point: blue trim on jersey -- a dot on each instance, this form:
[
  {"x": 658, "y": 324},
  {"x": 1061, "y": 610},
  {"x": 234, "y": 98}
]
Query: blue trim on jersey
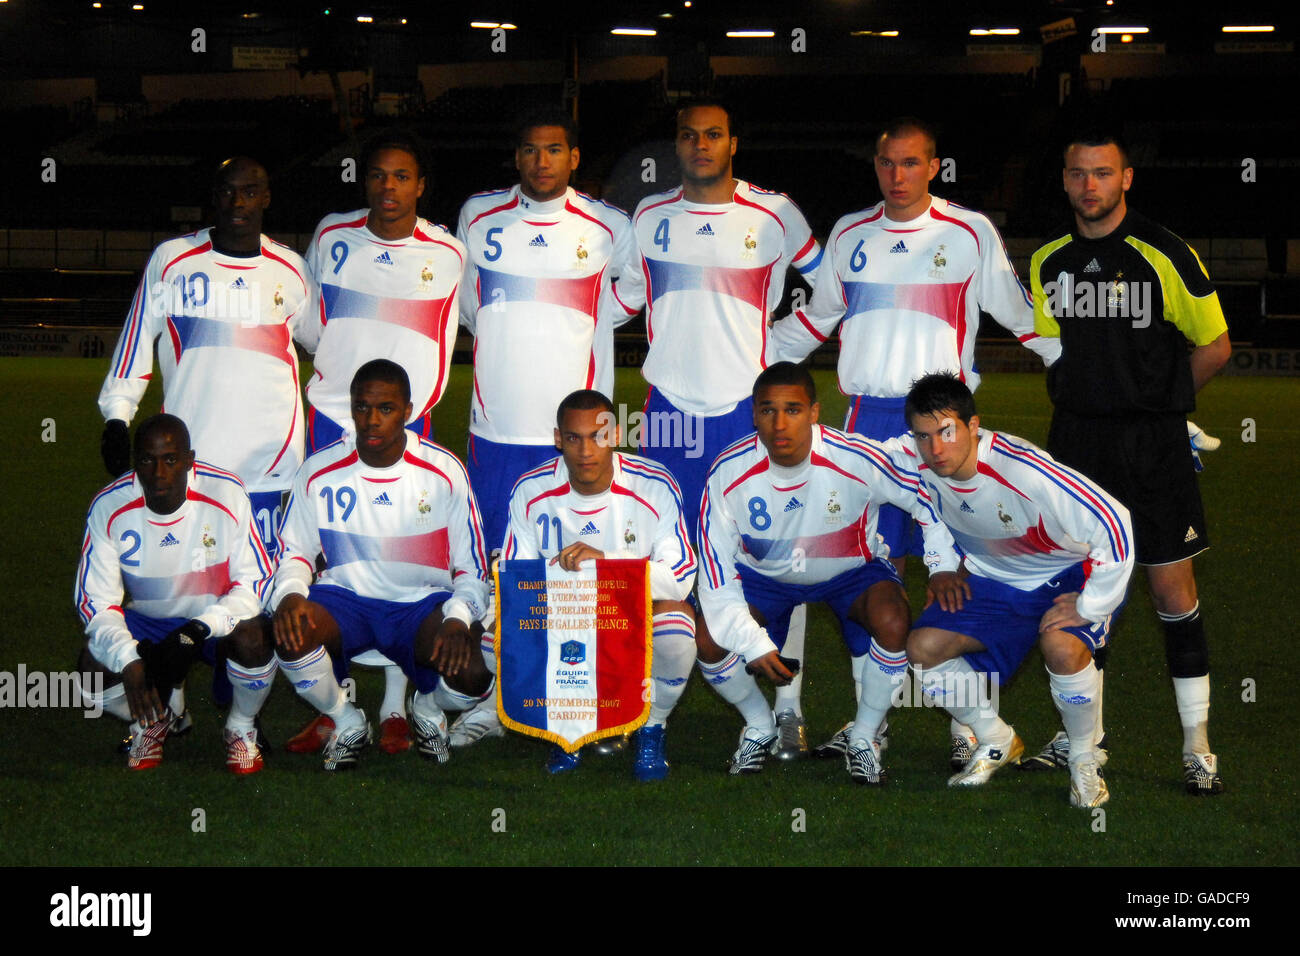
[
  {"x": 601, "y": 202},
  {"x": 821, "y": 251},
  {"x": 211, "y": 471},
  {"x": 886, "y": 467},
  {"x": 117, "y": 484},
  {"x": 1038, "y": 464}
]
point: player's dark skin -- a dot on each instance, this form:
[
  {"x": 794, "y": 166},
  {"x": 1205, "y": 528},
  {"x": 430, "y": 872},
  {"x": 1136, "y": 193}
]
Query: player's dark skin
[
  {"x": 394, "y": 185},
  {"x": 240, "y": 196},
  {"x": 784, "y": 416},
  {"x": 163, "y": 460},
  {"x": 380, "y": 410}
]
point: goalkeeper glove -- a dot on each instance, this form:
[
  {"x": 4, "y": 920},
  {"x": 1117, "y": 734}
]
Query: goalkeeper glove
[
  {"x": 1201, "y": 441},
  {"x": 168, "y": 661},
  {"x": 115, "y": 447}
]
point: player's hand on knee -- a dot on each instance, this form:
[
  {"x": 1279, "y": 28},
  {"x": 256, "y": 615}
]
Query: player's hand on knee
[
  {"x": 575, "y": 554},
  {"x": 452, "y": 647},
  {"x": 293, "y": 620},
  {"x": 141, "y": 697},
  {"x": 772, "y": 667},
  {"x": 115, "y": 447},
  {"x": 948, "y": 588},
  {"x": 1062, "y": 614}
]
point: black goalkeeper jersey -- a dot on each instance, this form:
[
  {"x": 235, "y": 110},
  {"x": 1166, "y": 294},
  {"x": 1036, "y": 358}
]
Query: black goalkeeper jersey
[{"x": 1125, "y": 308}]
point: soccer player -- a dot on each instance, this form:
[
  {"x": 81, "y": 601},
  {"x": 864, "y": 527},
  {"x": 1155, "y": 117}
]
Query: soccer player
[
  {"x": 709, "y": 267},
  {"x": 1141, "y": 332},
  {"x": 539, "y": 257},
  {"x": 594, "y": 502},
  {"x": 225, "y": 304},
  {"x": 178, "y": 536},
  {"x": 789, "y": 516},
  {"x": 396, "y": 523},
  {"x": 905, "y": 281},
  {"x": 389, "y": 282},
  {"x": 1048, "y": 557}
]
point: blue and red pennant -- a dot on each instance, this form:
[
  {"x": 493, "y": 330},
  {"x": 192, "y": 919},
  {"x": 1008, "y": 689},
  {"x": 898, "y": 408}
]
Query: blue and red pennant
[{"x": 573, "y": 649}]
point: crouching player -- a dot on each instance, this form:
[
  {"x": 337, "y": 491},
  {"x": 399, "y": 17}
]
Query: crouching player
[
  {"x": 178, "y": 536},
  {"x": 395, "y": 520},
  {"x": 1048, "y": 557},
  {"x": 789, "y": 516},
  {"x": 594, "y": 502}
]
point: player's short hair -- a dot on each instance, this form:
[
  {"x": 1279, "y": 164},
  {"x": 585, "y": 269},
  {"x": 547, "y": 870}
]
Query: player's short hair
[
  {"x": 219, "y": 174},
  {"x": 547, "y": 116},
  {"x": 902, "y": 125},
  {"x": 786, "y": 373},
  {"x": 382, "y": 370},
  {"x": 395, "y": 137},
  {"x": 939, "y": 392},
  {"x": 583, "y": 400},
  {"x": 733, "y": 125},
  {"x": 1098, "y": 136},
  {"x": 161, "y": 422}
]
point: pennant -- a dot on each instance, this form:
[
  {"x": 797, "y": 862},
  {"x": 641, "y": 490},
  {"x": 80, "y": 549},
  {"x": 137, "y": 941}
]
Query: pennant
[{"x": 573, "y": 649}]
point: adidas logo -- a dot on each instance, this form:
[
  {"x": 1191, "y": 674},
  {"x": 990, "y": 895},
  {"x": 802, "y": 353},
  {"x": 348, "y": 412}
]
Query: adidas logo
[
  {"x": 1076, "y": 699},
  {"x": 967, "y": 508},
  {"x": 168, "y": 541},
  {"x": 1093, "y": 266},
  {"x": 239, "y": 283},
  {"x": 671, "y": 681},
  {"x": 792, "y": 504},
  {"x": 383, "y": 499},
  {"x": 384, "y": 259},
  {"x": 705, "y": 230},
  {"x": 899, "y": 247},
  {"x": 538, "y": 243},
  {"x": 1191, "y": 535},
  {"x": 589, "y": 528}
]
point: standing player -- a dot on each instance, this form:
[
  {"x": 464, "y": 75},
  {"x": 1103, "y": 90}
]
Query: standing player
[
  {"x": 389, "y": 282},
  {"x": 592, "y": 502},
  {"x": 395, "y": 520},
  {"x": 228, "y": 303},
  {"x": 789, "y": 516},
  {"x": 905, "y": 282},
  {"x": 178, "y": 536},
  {"x": 539, "y": 257},
  {"x": 1048, "y": 557},
  {"x": 709, "y": 268},
  {"x": 1131, "y": 365}
]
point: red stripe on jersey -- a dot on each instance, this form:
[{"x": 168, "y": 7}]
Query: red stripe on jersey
[
  {"x": 354, "y": 224},
  {"x": 196, "y": 251},
  {"x": 496, "y": 209},
  {"x": 617, "y": 489},
  {"x": 131, "y": 506},
  {"x": 421, "y": 463},
  {"x": 935, "y": 214},
  {"x": 827, "y": 463},
  {"x": 806, "y": 246},
  {"x": 285, "y": 262},
  {"x": 986, "y": 469},
  {"x": 568, "y": 205},
  {"x": 351, "y": 458},
  {"x": 861, "y": 222},
  {"x": 561, "y": 490},
  {"x": 758, "y": 469},
  {"x": 663, "y": 202},
  {"x": 745, "y": 202},
  {"x": 193, "y": 495}
]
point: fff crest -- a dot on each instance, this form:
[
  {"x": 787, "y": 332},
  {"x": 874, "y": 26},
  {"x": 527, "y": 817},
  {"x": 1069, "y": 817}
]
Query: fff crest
[{"x": 573, "y": 652}]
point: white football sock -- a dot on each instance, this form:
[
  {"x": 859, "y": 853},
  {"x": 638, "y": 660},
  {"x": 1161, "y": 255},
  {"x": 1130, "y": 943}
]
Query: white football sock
[
  {"x": 1101, "y": 683},
  {"x": 251, "y": 686},
  {"x": 313, "y": 678},
  {"x": 394, "y": 692},
  {"x": 1193, "y": 697},
  {"x": 488, "y": 643},
  {"x": 958, "y": 688},
  {"x": 958, "y": 729},
  {"x": 674, "y": 635},
  {"x": 883, "y": 672},
  {"x": 426, "y": 707},
  {"x": 855, "y": 665},
  {"x": 447, "y": 699},
  {"x": 788, "y": 697},
  {"x": 1077, "y": 698},
  {"x": 111, "y": 701},
  {"x": 177, "y": 700},
  {"x": 738, "y": 687}
]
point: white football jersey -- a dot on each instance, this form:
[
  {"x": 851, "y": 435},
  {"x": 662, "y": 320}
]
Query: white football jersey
[
  {"x": 203, "y": 561},
  {"x": 1024, "y": 518},
  {"x": 383, "y": 299},
  {"x": 394, "y": 534},
  {"x": 225, "y": 327},
  {"x": 800, "y": 526},
  {"x": 910, "y": 295},
  {"x": 709, "y": 276},
  {"x": 533, "y": 282},
  {"x": 639, "y": 516}
]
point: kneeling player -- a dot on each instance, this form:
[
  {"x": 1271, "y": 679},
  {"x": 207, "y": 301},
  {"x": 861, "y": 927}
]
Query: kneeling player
[
  {"x": 593, "y": 502},
  {"x": 1049, "y": 555},
  {"x": 396, "y": 522},
  {"x": 178, "y": 536},
  {"x": 789, "y": 516}
]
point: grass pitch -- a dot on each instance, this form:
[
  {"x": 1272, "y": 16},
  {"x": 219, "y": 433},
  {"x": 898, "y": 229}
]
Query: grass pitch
[{"x": 66, "y": 798}]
